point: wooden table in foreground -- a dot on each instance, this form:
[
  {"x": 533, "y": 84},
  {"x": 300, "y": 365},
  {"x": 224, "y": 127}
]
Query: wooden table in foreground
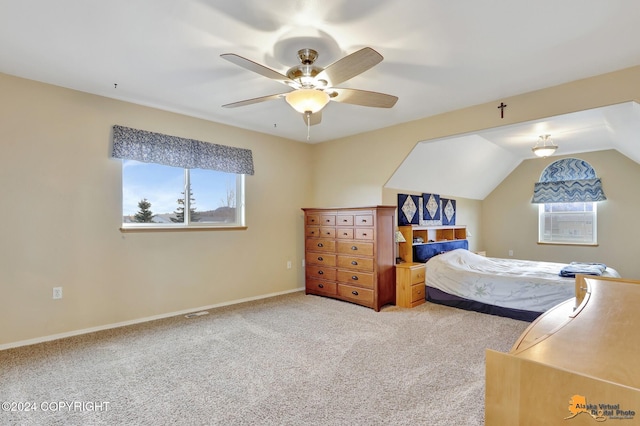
[{"x": 572, "y": 366}]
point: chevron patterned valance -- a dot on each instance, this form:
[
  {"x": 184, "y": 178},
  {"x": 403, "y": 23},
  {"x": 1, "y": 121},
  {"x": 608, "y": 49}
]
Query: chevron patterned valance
[{"x": 569, "y": 180}]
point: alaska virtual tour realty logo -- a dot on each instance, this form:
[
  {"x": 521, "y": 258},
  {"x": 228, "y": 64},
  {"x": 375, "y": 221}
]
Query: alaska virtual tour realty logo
[{"x": 600, "y": 412}]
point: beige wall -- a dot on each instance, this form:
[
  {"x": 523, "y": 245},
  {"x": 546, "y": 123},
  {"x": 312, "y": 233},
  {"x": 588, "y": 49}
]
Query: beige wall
[
  {"x": 510, "y": 221},
  {"x": 61, "y": 197},
  {"x": 61, "y": 212}
]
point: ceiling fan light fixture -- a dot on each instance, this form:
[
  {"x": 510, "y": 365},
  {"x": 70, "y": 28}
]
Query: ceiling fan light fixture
[
  {"x": 545, "y": 149},
  {"x": 307, "y": 100}
]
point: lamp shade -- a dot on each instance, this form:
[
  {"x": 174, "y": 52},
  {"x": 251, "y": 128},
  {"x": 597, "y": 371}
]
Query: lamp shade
[
  {"x": 546, "y": 149},
  {"x": 399, "y": 237},
  {"x": 307, "y": 100}
]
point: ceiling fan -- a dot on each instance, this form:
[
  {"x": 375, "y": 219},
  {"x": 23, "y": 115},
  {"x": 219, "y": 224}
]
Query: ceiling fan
[{"x": 313, "y": 86}]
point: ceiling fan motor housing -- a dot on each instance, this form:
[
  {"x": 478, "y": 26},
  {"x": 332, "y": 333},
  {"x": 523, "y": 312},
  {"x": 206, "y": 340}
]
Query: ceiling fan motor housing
[{"x": 306, "y": 72}]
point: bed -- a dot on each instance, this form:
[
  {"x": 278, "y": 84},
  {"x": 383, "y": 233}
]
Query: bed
[{"x": 520, "y": 289}]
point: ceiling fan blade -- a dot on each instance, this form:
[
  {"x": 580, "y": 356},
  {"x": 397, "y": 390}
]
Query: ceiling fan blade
[
  {"x": 350, "y": 66},
  {"x": 363, "y": 98},
  {"x": 315, "y": 118},
  {"x": 254, "y": 100},
  {"x": 257, "y": 68}
]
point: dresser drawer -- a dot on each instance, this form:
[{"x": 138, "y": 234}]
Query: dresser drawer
[
  {"x": 312, "y": 231},
  {"x": 327, "y": 220},
  {"x": 417, "y": 292},
  {"x": 327, "y": 232},
  {"x": 345, "y": 233},
  {"x": 355, "y": 248},
  {"x": 364, "y": 220},
  {"x": 313, "y": 219},
  {"x": 417, "y": 275},
  {"x": 356, "y": 294},
  {"x": 364, "y": 234},
  {"x": 359, "y": 263},
  {"x": 323, "y": 259},
  {"x": 320, "y": 244},
  {"x": 321, "y": 287},
  {"x": 320, "y": 272},
  {"x": 361, "y": 279},
  {"x": 344, "y": 220}
]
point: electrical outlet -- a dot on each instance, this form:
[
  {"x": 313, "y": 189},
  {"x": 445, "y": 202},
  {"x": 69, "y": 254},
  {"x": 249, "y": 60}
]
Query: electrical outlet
[
  {"x": 57, "y": 292},
  {"x": 288, "y": 264},
  {"x": 510, "y": 252}
]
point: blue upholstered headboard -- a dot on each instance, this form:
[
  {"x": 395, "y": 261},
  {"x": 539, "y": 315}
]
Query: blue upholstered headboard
[{"x": 424, "y": 252}]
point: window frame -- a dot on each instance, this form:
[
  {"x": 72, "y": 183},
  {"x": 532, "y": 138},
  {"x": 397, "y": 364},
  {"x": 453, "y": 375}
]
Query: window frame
[
  {"x": 188, "y": 225},
  {"x": 541, "y": 225}
]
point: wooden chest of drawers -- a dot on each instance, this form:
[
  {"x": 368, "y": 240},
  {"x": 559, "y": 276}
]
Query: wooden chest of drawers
[
  {"x": 410, "y": 286},
  {"x": 349, "y": 254}
]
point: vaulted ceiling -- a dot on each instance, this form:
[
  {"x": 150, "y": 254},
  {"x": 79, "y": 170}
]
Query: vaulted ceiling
[
  {"x": 438, "y": 56},
  {"x": 483, "y": 159}
]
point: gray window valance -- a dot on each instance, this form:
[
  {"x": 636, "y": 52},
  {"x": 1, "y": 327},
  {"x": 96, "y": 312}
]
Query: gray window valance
[
  {"x": 149, "y": 147},
  {"x": 569, "y": 180}
]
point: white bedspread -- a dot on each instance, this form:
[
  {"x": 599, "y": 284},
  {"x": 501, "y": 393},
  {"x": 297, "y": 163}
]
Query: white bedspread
[{"x": 510, "y": 283}]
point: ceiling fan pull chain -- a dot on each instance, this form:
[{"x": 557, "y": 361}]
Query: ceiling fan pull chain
[{"x": 308, "y": 125}]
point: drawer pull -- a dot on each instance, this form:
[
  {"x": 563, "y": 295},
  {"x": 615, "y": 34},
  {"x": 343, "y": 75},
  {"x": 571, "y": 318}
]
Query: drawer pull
[
  {"x": 320, "y": 245},
  {"x": 364, "y": 220},
  {"x": 320, "y": 258},
  {"x": 328, "y": 233},
  {"x": 313, "y": 232},
  {"x": 345, "y": 220},
  {"x": 354, "y": 247},
  {"x": 355, "y": 293},
  {"x": 345, "y": 234},
  {"x": 355, "y": 278},
  {"x": 320, "y": 272},
  {"x": 364, "y": 234},
  {"x": 353, "y": 262},
  {"x": 328, "y": 220},
  {"x": 321, "y": 285}
]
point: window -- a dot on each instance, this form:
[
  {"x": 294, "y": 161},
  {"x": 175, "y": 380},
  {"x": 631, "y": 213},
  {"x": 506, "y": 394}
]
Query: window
[
  {"x": 567, "y": 195},
  {"x": 173, "y": 182},
  {"x": 153, "y": 196},
  {"x": 567, "y": 223}
]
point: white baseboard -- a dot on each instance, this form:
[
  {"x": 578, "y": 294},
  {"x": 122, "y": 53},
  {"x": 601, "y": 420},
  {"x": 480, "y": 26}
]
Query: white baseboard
[{"x": 138, "y": 321}]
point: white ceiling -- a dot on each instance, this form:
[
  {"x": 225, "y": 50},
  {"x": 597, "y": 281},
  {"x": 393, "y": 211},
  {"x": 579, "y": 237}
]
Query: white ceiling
[{"x": 439, "y": 55}]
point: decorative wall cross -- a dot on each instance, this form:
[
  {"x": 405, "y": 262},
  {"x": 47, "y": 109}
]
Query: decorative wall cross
[{"x": 502, "y": 106}]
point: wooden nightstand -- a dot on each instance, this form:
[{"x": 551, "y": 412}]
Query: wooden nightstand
[{"x": 410, "y": 287}]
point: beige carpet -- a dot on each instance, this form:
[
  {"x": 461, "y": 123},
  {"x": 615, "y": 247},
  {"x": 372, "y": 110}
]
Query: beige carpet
[{"x": 288, "y": 360}]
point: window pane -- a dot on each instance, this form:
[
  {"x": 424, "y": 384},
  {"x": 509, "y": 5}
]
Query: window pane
[
  {"x": 213, "y": 196},
  {"x": 154, "y": 195},
  {"x": 568, "y": 223},
  {"x": 160, "y": 186}
]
